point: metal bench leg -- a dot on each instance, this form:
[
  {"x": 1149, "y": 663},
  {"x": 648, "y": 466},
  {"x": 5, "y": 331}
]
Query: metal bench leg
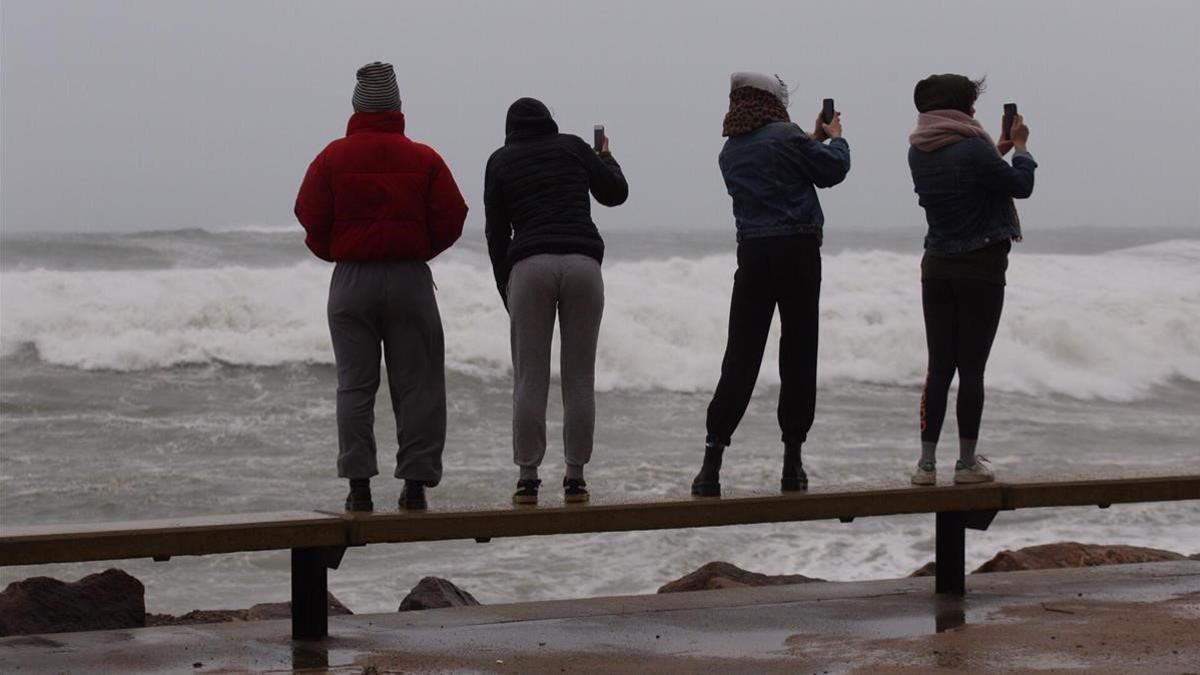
[
  {"x": 951, "y": 553},
  {"x": 310, "y": 586},
  {"x": 950, "y": 573}
]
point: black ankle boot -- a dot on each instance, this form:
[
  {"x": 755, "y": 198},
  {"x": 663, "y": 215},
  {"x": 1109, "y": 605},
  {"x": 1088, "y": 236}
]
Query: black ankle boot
[
  {"x": 708, "y": 482},
  {"x": 359, "y": 498},
  {"x": 794, "y": 479},
  {"x": 412, "y": 496}
]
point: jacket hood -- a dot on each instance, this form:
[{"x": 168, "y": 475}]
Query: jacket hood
[{"x": 528, "y": 117}]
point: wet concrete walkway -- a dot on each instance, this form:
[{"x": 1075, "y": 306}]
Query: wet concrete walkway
[{"x": 1118, "y": 619}]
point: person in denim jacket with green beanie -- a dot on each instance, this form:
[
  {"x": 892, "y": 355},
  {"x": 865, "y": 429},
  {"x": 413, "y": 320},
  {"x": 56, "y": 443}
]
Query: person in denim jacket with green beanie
[{"x": 967, "y": 191}]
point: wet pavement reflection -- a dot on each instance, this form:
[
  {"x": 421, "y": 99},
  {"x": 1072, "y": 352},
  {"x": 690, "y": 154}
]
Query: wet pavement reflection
[
  {"x": 309, "y": 655},
  {"x": 949, "y": 613}
]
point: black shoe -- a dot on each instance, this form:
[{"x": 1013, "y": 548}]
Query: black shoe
[
  {"x": 527, "y": 491},
  {"x": 574, "y": 490},
  {"x": 412, "y": 496},
  {"x": 359, "y": 498},
  {"x": 794, "y": 479},
  {"x": 708, "y": 482}
]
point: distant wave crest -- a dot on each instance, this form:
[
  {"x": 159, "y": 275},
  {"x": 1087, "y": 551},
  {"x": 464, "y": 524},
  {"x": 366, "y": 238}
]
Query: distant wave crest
[{"x": 1102, "y": 326}]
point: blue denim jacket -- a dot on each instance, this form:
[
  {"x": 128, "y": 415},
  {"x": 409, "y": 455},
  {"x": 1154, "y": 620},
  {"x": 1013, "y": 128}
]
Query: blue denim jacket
[
  {"x": 772, "y": 174},
  {"x": 967, "y": 190}
]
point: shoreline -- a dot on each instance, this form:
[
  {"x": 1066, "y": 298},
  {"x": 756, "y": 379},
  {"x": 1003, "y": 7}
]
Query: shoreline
[
  {"x": 113, "y": 599},
  {"x": 1116, "y": 619}
]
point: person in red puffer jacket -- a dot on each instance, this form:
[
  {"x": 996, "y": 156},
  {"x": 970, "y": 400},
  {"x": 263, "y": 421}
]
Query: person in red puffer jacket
[{"x": 380, "y": 206}]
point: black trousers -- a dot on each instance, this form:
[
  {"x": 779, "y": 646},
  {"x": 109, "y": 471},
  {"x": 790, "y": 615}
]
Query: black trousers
[
  {"x": 961, "y": 317},
  {"x": 783, "y": 271}
]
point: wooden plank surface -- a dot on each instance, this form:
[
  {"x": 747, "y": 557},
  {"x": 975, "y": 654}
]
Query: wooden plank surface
[
  {"x": 518, "y": 521},
  {"x": 27, "y": 545},
  {"x": 1104, "y": 491},
  {"x": 38, "y": 544}
]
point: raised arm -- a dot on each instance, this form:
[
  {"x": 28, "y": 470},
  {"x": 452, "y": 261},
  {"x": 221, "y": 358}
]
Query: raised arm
[
  {"x": 605, "y": 179},
  {"x": 825, "y": 165},
  {"x": 1015, "y": 180}
]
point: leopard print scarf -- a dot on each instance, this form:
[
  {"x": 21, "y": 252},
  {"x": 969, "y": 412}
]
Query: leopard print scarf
[{"x": 750, "y": 109}]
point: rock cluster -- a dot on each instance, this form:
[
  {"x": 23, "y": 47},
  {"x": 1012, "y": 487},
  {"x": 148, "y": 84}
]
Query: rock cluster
[
  {"x": 1065, "y": 554},
  {"x": 109, "y": 600},
  {"x": 260, "y": 612},
  {"x": 114, "y": 600},
  {"x": 435, "y": 593},
  {"x": 719, "y": 574}
]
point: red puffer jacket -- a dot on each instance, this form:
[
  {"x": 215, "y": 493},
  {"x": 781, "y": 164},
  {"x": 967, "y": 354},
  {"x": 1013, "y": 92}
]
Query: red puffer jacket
[{"x": 376, "y": 195}]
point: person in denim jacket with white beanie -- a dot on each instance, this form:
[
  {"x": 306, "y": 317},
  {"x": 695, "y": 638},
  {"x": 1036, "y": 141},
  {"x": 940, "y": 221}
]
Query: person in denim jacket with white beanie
[{"x": 771, "y": 169}]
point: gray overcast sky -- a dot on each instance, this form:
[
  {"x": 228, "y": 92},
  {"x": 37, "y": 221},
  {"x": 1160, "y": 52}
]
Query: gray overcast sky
[{"x": 123, "y": 115}]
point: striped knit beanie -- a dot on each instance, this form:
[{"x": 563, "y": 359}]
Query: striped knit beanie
[{"x": 376, "y": 90}]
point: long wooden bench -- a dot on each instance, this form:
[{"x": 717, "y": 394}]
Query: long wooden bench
[{"x": 318, "y": 540}]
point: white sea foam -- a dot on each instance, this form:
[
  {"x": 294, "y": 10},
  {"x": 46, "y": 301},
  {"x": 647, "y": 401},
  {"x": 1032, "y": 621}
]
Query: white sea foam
[{"x": 1098, "y": 326}]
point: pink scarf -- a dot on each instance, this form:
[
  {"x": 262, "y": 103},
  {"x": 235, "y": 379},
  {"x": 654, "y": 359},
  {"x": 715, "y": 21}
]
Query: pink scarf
[{"x": 939, "y": 128}]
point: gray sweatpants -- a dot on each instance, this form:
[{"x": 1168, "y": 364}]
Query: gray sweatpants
[
  {"x": 388, "y": 303},
  {"x": 539, "y": 287}
]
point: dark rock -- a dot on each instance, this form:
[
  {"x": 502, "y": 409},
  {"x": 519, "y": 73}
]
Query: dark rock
[
  {"x": 1073, "y": 554},
  {"x": 719, "y": 574},
  {"x": 434, "y": 593},
  {"x": 283, "y": 610},
  {"x": 261, "y": 612},
  {"x": 197, "y": 616},
  {"x": 929, "y": 569},
  {"x": 109, "y": 600}
]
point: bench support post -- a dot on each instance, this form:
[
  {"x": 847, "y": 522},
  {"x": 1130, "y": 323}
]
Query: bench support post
[
  {"x": 310, "y": 588},
  {"x": 951, "y": 552},
  {"x": 950, "y": 561}
]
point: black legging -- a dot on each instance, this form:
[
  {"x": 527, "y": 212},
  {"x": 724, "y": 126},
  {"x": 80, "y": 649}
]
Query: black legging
[
  {"x": 961, "y": 317},
  {"x": 783, "y": 271}
]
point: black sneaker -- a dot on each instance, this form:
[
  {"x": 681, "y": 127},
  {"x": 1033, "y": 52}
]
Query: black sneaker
[
  {"x": 575, "y": 490},
  {"x": 412, "y": 496},
  {"x": 527, "y": 491}
]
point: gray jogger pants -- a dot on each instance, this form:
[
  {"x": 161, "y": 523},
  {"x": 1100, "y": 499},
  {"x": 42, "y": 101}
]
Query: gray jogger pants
[
  {"x": 539, "y": 287},
  {"x": 389, "y": 304}
]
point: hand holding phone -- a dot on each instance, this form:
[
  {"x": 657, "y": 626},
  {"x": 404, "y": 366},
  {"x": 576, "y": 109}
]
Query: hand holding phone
[
  {"x": 599, "y": 140},
  {"x": 1010, "y": 114},
  {"x": 827, "y": 130}
]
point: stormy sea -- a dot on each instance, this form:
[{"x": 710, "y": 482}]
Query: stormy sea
[{"x": 189, "y": 372}]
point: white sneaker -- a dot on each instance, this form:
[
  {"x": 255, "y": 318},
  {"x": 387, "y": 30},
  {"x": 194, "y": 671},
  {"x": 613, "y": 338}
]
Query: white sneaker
[
  {"x": 976, "y": 473},
  {"x": 926, "y": 474}
]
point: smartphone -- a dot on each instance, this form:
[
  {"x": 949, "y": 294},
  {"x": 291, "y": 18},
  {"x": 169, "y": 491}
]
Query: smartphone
[
  {"x": 827, "y": 111},
  {"x": 598, "y": 137},
  {"x": 1010, "y": 114}
]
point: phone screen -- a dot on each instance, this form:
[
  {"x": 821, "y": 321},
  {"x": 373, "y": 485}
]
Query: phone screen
[
  {"x": 598, "y": 138},
  {"x": 1010, "y": 113}
]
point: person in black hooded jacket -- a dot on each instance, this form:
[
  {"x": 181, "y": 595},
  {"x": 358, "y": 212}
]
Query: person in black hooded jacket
[{"x": 546, "y": 254}]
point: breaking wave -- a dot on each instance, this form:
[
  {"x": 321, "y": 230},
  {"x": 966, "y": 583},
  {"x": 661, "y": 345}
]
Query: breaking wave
[{"x": 1110, "y": 326}]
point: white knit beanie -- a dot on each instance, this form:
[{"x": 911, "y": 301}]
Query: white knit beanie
[{"x": 772, "y": 84}]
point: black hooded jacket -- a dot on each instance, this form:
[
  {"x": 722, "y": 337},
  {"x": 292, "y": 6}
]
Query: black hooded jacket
[{"x": 536, "y": 191}]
